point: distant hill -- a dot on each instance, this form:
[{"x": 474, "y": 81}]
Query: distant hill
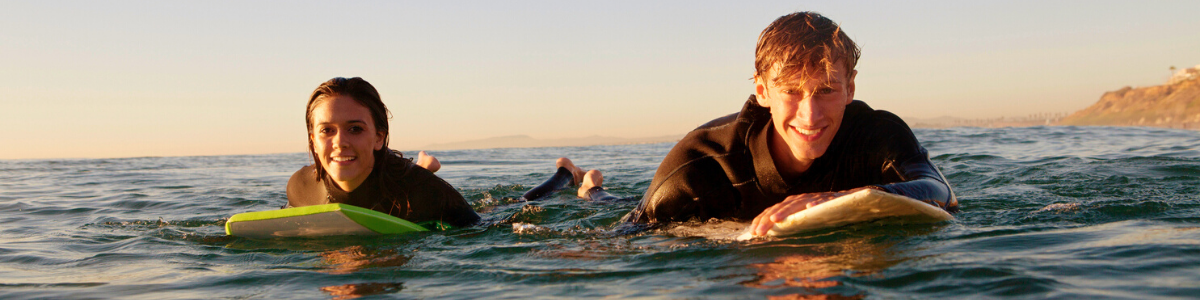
[
  {"x": 525, "y": 141},
  {"x": 1173, "y": 105}
]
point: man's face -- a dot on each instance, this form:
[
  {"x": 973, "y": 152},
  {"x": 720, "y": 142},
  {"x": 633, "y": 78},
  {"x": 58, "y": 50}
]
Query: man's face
[{"x": 806, "y": 111}]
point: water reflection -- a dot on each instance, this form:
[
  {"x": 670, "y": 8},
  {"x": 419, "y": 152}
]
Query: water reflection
[
  {"x": 817, "y": 270},
  {"x": 356, "y": 258},
  {"x": 351, "y": 291}
]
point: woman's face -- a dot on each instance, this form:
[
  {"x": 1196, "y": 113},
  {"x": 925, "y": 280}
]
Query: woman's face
[{"x": 344, "y": 138}]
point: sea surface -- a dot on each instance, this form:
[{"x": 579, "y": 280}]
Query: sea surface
[{"x": 1047, "y": 212}]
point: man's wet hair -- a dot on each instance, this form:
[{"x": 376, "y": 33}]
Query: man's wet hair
[{"x": 802, "y": 43}]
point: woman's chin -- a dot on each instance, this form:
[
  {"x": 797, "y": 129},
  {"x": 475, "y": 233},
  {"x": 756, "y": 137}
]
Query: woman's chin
[{"x": 345, "y": 174}]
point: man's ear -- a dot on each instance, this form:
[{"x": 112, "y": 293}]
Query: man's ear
[
  {"x": 760, "y": 91},
  {"x": 850, "y": 86}
]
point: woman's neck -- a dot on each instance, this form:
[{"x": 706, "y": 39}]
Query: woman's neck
[{"x": 351, "y": 185}]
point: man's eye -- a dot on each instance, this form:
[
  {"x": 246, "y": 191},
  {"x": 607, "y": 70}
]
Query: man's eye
[
  {"x": 826, "y": 90},
  {"x": 791, "y": 91}
]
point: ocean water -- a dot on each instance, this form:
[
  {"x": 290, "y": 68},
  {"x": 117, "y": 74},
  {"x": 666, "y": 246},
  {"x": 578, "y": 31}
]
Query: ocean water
[{"x": 1047, "y": 212}]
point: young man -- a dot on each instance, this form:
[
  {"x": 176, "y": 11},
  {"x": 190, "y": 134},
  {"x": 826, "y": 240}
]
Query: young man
[{"x": 800, "y": 140}]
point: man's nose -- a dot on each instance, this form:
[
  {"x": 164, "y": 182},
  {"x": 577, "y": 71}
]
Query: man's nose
[{"x": 808, "y": 110}]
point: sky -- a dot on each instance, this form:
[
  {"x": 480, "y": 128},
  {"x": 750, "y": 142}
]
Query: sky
[{"x": 91, "y": 79}]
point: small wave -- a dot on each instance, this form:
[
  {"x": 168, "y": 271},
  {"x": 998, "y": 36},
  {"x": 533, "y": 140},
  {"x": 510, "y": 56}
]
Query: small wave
[{"x": 1060, "y": 207}]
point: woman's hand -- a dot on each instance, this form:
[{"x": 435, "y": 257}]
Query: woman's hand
[
  {"x": 791, "y": 205},
  {"x": 428, "y": 162}
]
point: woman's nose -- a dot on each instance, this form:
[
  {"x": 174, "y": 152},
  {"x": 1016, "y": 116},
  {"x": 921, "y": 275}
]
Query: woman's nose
[{"x": 339, "y": 139}]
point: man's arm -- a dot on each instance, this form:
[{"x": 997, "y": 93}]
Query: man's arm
[
  {"x": 919, "y": 178},
  {"x": 923, "y": 182},
  {"x": 697, "y": 189}
]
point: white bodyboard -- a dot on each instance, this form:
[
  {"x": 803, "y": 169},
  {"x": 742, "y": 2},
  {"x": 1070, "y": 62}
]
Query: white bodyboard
[{"x": 862, "y": 206}]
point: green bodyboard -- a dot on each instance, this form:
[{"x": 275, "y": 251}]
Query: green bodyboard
[{"x": 320, "y": 220}]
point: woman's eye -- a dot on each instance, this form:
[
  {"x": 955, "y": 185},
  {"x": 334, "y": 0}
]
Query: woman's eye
[
  {"x": 356, "y": 129},
  {"x": 325, "y": 130}
]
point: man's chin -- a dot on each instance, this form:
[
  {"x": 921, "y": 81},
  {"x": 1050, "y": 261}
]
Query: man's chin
[{"x": 808, "y": 152}]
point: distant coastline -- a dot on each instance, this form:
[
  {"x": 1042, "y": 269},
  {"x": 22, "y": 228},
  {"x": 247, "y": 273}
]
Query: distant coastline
[
  {"x": 1175, "y": 104},
  {"x": 525, "y": 141},
  {"x": 1044, "y": 119}
]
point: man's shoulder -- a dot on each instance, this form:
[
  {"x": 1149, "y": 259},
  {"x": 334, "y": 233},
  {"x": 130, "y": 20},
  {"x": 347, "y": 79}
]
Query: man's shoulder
[
  {"x": 724, "y": 133},
  {"x": 719, "y": 123},
  {"x": 709, "y": 149},
  {"x": 875, "y": 120}
]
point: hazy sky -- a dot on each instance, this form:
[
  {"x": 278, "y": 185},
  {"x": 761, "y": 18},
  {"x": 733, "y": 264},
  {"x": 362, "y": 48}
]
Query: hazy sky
[{"x": 164, "y": 78}]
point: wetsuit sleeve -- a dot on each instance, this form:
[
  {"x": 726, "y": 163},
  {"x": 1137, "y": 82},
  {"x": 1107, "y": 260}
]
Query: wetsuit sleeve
[
  {"x": 696, "y": 189},
  {"x": 921, "y": 180}
]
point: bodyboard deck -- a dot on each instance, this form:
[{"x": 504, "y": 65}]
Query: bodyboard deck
[
  {"x": 317, "y": 220},
  {"x": 862, "y": 206}
]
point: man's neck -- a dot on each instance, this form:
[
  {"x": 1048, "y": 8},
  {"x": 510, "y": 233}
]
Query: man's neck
[{"x": 788, "y": 165}]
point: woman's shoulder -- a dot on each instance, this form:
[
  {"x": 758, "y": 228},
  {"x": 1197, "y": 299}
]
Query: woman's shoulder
[
  {"x": 304, "y": 189},
  {"x": 403, "y": 171}
]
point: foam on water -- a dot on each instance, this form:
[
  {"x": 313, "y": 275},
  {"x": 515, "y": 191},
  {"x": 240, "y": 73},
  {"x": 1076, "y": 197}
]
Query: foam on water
[{"x": 1064, "y": 212}]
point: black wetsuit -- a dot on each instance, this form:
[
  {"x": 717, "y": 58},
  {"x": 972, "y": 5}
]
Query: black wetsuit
[
  {"x": 724, "y": 169},
  {"x": 427, "y": 197}
]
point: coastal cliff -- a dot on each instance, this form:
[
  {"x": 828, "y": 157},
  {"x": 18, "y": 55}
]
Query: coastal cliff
[{"x": 1173, "y": 105}]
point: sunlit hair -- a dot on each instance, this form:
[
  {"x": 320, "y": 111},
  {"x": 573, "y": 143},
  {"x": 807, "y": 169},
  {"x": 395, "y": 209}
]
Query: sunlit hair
[
  {"x": 803, "y": 43},
  {"x": 365, "y": 94}
]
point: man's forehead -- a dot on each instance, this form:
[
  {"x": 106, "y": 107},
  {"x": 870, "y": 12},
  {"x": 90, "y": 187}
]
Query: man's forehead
[
  {"x": 800, "y": 75},
  {"x": 820, "y": 77}
]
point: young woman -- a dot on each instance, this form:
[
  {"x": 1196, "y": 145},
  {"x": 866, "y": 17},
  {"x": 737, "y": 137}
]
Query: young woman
[{"x": 347, "y": 138}]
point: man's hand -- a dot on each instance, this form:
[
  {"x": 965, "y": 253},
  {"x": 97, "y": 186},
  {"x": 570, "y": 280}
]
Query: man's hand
[
  {"x": 790, "y": 205},
  {"x": 428, "y": 162}
]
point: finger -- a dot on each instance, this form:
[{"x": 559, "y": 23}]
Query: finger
[
  {"x": 754, "y": 225},
  {"x": 762, "y": 223},
  {"x": 782, "y": 213},
  {"x": 796, "y": 205},
  {"x": 764, "y": 227}
]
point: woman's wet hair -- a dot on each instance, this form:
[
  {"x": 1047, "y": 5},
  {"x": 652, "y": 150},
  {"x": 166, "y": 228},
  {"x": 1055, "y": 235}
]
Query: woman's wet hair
[{"x": 385, "y": 159}]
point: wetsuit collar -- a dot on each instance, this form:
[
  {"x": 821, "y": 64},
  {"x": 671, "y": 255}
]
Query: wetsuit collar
[
  {"x": 760, "y": 130},
  {"x": 759, "y": 133},
  {"x": 359, "y": 196}
]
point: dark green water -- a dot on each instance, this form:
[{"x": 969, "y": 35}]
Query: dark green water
[{"x": 1047, "y": 212}]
